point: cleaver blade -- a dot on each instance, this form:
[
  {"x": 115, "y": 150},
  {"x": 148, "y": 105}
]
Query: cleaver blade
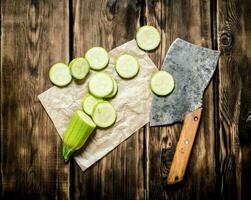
[{"x": 192, "y": 68}]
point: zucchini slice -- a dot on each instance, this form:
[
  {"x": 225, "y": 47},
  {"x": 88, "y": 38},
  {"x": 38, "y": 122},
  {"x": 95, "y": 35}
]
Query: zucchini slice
[
  {"x": 127, "y": 66},
  {"x": 115, "y": 89},
  {"x": 89, "y": 103},
  {"x": 104, "y": 114},
  {"x": 162, "y": 83},
  {"x": 97, "y": 57},
  {"x": 79, "y": 68},
  {"x": 148, "y": 38},
  {"x": 79, "y": 129},
  {"x": 100, "y": 85},
  {"x": 60, "y": 74}
]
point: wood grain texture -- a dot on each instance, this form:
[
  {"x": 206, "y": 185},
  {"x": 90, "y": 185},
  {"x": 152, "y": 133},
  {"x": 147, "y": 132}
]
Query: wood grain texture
[
  {"x": 184, "y": 146},
  {"x": 189, "y": 20},
  {"x": 119, "y": 175},
  {"x": 34, "y": 35},
  {"x": 234, "y": 39}
]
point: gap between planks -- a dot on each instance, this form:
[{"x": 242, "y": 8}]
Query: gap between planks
[{"x": 213, "y": 13}]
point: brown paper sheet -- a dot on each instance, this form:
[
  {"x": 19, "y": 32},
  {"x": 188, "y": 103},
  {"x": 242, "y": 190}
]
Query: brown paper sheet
[{"x": 132, "y": 103}]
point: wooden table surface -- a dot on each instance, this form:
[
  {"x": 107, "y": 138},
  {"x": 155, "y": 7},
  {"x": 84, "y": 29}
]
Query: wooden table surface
[{"x": 38, "y": 33}]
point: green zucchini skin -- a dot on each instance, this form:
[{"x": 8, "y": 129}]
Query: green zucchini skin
[
  {"x": 162, "y": 83},
  {"x": 76, "y": 135},
  {"x": 53, "y": 75},
  {"x": 88, "y": 110},
  {"x": 104, "y": 124},
  {"x": 115, "y": 89},
  {"x": 85, "y": 65},
  {"x": 99, "y": 52},
  {"x": 97, "y": 83},
  {"x": 143, "y": 42},
  {"x": 124, "y": 70}
]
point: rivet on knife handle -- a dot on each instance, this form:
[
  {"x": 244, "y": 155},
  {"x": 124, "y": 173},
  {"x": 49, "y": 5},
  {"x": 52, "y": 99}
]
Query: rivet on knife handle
[{"x": 184, "y": 146}]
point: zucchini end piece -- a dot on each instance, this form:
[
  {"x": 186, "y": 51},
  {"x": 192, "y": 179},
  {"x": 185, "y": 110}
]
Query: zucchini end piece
[{"x": 66, "y": 153}]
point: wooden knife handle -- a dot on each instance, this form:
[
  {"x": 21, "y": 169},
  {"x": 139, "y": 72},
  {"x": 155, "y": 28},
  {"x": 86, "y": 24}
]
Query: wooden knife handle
[{"x": 184, "y": 146}]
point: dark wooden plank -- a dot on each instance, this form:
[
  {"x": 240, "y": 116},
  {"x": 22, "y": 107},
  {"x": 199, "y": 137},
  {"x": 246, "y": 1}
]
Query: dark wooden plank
[
  {"x": 34, "y": 35},
  {"x": 234, "y": 31},
  {"x": 189, "y": 20},
  {"x": 119, "y": 175}
]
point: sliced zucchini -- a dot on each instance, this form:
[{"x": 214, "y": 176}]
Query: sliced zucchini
[
  {"x": 60, "y": 74},
  {"x": 79, "y": 68},
  {"x": 104, "y": 114},
  {"x": 162, "y": 83},
  {"x": 79, "y": 129},
  {"x": 97, "y": 57},
  {"x": 127, "y": 66},
  {"x": 115, "y": 89},
  {"x": 89, "y": 103},
  {"x": 148, "y": 38},
  {"x": 100, "y": 85}
]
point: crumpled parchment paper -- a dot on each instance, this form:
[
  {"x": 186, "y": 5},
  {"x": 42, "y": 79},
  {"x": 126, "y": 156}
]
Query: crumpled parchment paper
[{"x": 132, "y": 103}]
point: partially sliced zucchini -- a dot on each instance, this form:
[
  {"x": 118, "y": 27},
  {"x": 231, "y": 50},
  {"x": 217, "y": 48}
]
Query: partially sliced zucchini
[
  {"x": 148, "y": 38},
  {"x": 60, "y": 74},
  {"x": 97, "y": 57},
  {"x": 79, "y": 129},
  {"x": 162, "y": 83},
  {"x": 100, "y": 85},
  {"x": 79, "y": 68},
  {"x": 127, "y": 66},
  {"x": 115, "y": 89},
  {"x": 89, "y": 103},
  {"x": 104, "y": 115}
]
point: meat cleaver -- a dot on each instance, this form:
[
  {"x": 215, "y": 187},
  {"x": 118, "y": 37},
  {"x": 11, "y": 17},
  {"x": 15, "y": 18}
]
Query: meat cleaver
[{"x": 192, "y": 67}]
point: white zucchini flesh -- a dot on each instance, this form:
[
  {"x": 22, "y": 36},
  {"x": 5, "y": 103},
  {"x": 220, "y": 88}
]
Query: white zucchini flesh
[
  {"x": 79, "y": 129},
  {"x": 100, "y": 85},
  {"x": 85, "y": 118},
  {"x": 115, "y": 89},
  {"x": 60, "y": 74},
  {"x": 89, "y": 102},
  {"x": 162, "y": 83},
  {"x": 148, "y": 38},
  {"x": 127, "y": 66},
  {"x": 79, "y": 68},
  {"x": 97, "y": 57},
  {"x": 104, "y": 114}
]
